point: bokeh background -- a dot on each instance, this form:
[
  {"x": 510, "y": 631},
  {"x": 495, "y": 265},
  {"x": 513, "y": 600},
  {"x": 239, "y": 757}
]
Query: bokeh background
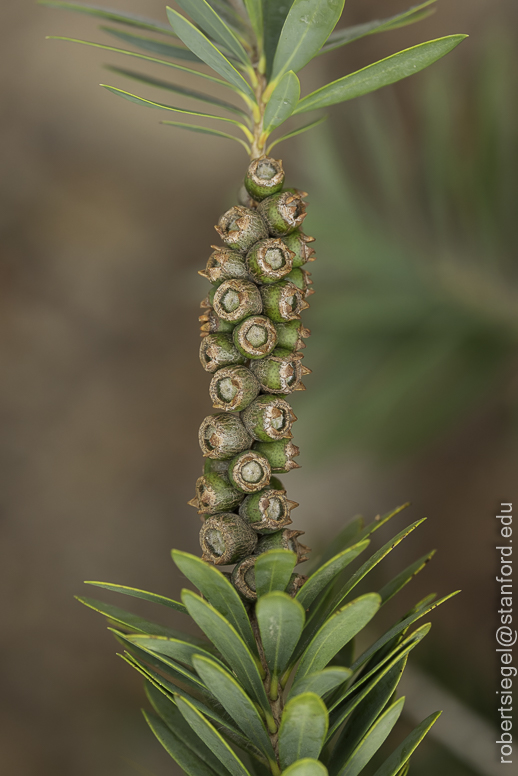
[{"x": 105, "y": 218}]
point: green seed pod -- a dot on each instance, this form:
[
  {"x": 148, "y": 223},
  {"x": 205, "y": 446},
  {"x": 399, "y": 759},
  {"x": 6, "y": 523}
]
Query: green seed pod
[
  {"x": 268, "y": 419},
  {"x": 226, "y": 538},
  {"x": 215, "y": 466},
  {"x": 249, "y": 471},
  {"x": 243, "y": 578},
  {"x": 302, "y": 279},
  {"x": 233, "y": 388},
  {"x": 286, "y": 540},
  {"x": 267, "y": 511},
  {"x": 224, "y": 264},
  {"x": 264, "y": 177},
  {"x": 240, "y": 228},
  {"x": 298, "y": 242},
  {"x": 237, "y": 299},
  {"x": 280, "y": 372},
  {"x": 295, "y": 583},
  {"x": 283, "y": 212},
  {"x": 282, "y": 301},
  {"x": 269, "y": 260},
  {"x": 217, "y": 350},
  {"x": 290, "y": 335},
  {"x": 279, "y": 454},
  {"x": 215, "y": 494},
  {"x": 222, "y": 436},
  {"x": 255, "y": 337}
]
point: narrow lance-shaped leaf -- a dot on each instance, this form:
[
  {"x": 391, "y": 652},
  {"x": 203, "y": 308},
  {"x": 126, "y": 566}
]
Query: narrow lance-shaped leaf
[
  {"x": 295, "y": 132},
  {"x": 209, "y": 21},
  {"x": 273, "y": 570},
  {"x": 133, "y": 20},
  {"x": 174, "y": 648},
  {"x": 327, "y": 573},
  {"x": 159, "y": 47},
  {"x": 375, "y": 525},
  {"x": 344, "y": 539},
  {"x": 303, "y": 728},
  {"x": 207, "y": 51},
  {"x": 254, "y": 10},
  {"x": 306, "y": 767},
  {"x": 274, "y": 16},
  {"x": 280, "y": 619},
  {"x": 174, "y": 745},
  {"x": 389, "y": 590},
  {"x": 402, "y": 754},
  {"x": 207, "y": 131},
  {"x": 134, "y": 592},
  {"x": 372, "y": 741},
  {"x": 321, "y": 682},
  {"x": 386, "y": 71},
  {"x": 282, "y": 102}
]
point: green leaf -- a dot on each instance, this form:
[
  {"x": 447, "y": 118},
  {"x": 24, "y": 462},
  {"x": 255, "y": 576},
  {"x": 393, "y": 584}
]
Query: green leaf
[
  {"x": 306, "y": 767},
  {"x": 340, "y": 628},
  {"x": 207, "y": 51},
  {"x": 327, "y": 573},
  {"x": 404, "y": 751},
  {"x": 207, "y": 131},
  {"x": 143, "y": 594},
  {"x": 280, "y": 619},
  {"x": 339, "y": 38},
  {"x": 255, "y": 13},
  {"x": 209, "y": 21},
  {"x": 235, "y": 702},
  {"x": 218, "y": 591},
  {"x": 307, "y": 27},
  {"x": 386, "y": 71},
  {"x": 344, "y": 539},
  {"x": 210, "y": 736},
  {"x": 372, "y": 741},
  {"x": 174, "y": 648},
  {"x": 150, "y": 44},
  {"x": 174, "y": 745},
  {"x": 389, "y": 590},
  {"x": 321, "y": 682},
  {"x": 134, "y": 623},
  {"x": 169, "y": 714},
  {"x": 295, "y": 132},
  {"x": 134, "y": 20},
  {"x": 229, "y": 643},
  {"x": 274, "y": 16},
  {"x": 376, "y": 524},
  {"x": 273, "y": 570},
  {"x": 282, "y": 102},
  {"x": 159, "y": 84},
  {"x": 303, "y": 729}
]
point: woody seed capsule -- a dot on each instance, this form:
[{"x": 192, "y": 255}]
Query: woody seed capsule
[
  {"x": 224, "y": 264},
  {"x": 243, "y": 578},
  {"x": 215, "y": 466},
  {"x": 283, "y": 212},
  {"x": 222, "y": 436},
  {"x": 212, "y": 324},
  {"x": 286, "y": 540},
  {"x": 295, "y": 583},
  {"x": 269, "y": 260},
  {"x": 249, "y": 471},
  {"x": 226, "y": 538},
  {"x": 255, "y": 337},
  {"x": 233, "y": 388},
  {"x": 267, "y": 511},
  {"x": 282, "y": 301},
  {"x": 280, "y": 454},
  {"x": 240, "y": 228},
  {"x": 280, "y": 372},
  {"x": 268, "y": 419},
  {"x": 290, "y": 335},
  {"x": 214, "y": 493},
  {"x": 237, "y": 299},
  {"x": 298, "y": 242},
  {"x": 217, "y": 350},
  {"x": 264, "y": 177},
  {"x": 302, "y": 279}
]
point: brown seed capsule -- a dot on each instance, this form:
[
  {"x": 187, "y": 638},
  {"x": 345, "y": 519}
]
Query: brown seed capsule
[
  {"x": 214, "y": 493},
  {"x": 240, "y": 228},
  {"x": 233, "y": 388},
  {"x": 286, "y": 540},
  {"x": 268, "y": 419},
  {"x": 249, "y": 471},
  {"x": 255, "y": 337},
  {"x": 269, "y": 260},
  {"x": 298, "y": 242},
  {"x": 217, "y": 350},
  {"x": 226, "y": 538},
  {"x": 243, "y": 578},
  {"x": 225, "y": 264},
  {"x": 222, "y": 436},
  {"x": 212, "y": 324},
  {"x": 267, "y": 511},
  {"x": 282, "y": 301},
  {"x": 237, "y": 299},
  {"x": 264, "y": 177},
  {"x": 283, "y": 212},
  {"x": 280, "y": 372}
]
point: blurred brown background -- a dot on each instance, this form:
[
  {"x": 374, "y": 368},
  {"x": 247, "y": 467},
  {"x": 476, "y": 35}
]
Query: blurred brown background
[{"x": 105, "y": 218}]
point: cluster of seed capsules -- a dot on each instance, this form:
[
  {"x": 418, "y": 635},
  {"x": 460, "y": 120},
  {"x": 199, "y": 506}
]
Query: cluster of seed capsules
[{"x": 251, "y": 342}]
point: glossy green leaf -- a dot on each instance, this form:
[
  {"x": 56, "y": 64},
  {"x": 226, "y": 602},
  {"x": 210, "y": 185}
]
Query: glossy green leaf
[
  {"x": 327, "y": 573},
  {"x": 372, "y": 741},
  {"x": 321, "y": 682},
  {"x": 207, "y": 131},
  {"x": 254, "y": 10},
  {"x": 389, "y": 590},
  {"x": 133, "y": 20},
  {"x": 401, "y": 755},
  {"x": 174, "y": 745},
  {"x": 207, "y": 51},
  {"x": 159, "y": 47},
  {"x": 363, "y": 717},
  {"x": 229, "y": 643},
  {"x": 295, "y": 132},
  {"x": 235, "y": 702},
  {"x": 414, "y": 14},
  {"x": 273, "y": 570},
  {"x": 218, "y": 591},
  {"x": 209, "y": 21},
  {"x": 210, "y": 736},
  {"x": 306, "y": 767},
  {"x": 282, "y": 102},
  {"x": 344, "y": 539},
  {"x": 375, "y": 525},
  {"x": 303, "y": 728},
  {"x": 386, "y": 71},
  {"x": 340, "y": 628},
  {"x": 307, "y": 27},
  {"x": 280, "y": 619},
  {"x": 143, "y": 594},
  {"x": 169, "y": 714},
  {"x": 232, "y": 17},
  {"x": 137, "y": 624},
  {"x": 173, "y": 648},
  {"x": 274, "y": 16},
  {"x": 191, "y": 93}
]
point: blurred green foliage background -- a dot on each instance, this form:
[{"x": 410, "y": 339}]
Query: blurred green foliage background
[{"x": 105, "y": 218}]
